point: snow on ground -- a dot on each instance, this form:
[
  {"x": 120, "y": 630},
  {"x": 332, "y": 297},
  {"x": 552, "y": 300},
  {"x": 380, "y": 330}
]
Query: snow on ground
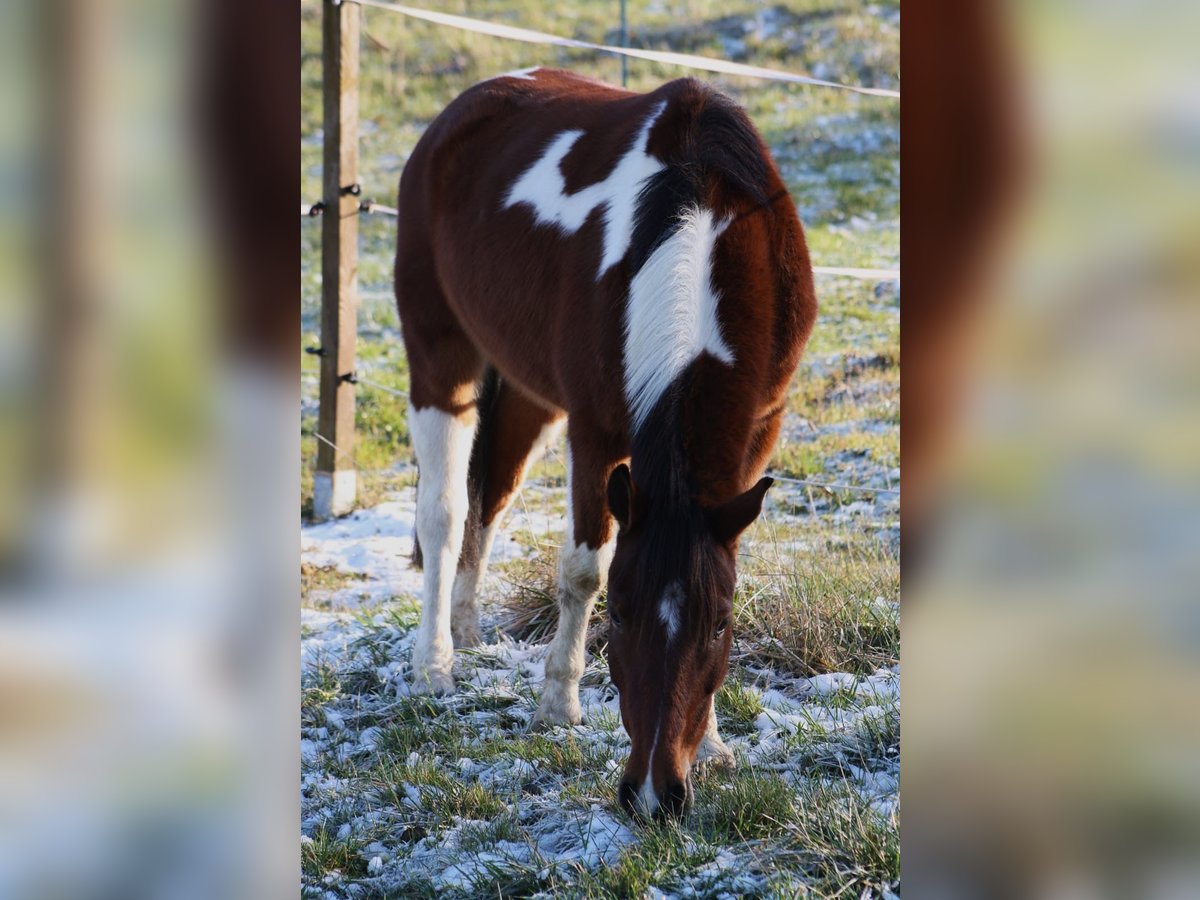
[{"x": 366, "y": 645}]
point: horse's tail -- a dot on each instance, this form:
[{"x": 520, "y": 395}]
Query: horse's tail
[
  {"x": 481, "y": 452},
  {"x": 418, "y": 558}
]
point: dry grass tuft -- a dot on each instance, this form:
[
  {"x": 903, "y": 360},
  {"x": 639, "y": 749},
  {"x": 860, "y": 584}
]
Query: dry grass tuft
[
  {"x": 531, "y": 603},
  {"x": 827, "y": 614}
]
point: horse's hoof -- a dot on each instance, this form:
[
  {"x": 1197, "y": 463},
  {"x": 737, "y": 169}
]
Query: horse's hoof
[
  {"x": 548, "y": 716},
  {"x": 467, "y": 637},
  {"x": 432, "y": 682},
  {"x": 713, "y": 753}
]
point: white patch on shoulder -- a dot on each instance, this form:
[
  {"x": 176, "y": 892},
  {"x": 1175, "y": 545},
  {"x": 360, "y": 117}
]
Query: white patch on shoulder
[
  {"x": 671, "y": 316},
  {"x": 543, "y": 187},
  {"x": 523, "y": 74},
  {"x": 670, "y": 609}
]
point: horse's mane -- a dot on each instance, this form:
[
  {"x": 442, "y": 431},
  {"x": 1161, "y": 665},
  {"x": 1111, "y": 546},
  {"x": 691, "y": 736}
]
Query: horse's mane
[
  {"x": 673, "y": 544},
  {"x": 718, "y": 141},
  {"x": 712, "y": 143}
]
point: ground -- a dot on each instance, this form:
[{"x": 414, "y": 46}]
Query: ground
[{"x": 407, "y": 796}]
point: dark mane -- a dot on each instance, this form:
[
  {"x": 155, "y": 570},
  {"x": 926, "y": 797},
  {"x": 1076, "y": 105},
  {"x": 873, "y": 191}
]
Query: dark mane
[
  {"x": 711, "y": 142},
  {"x": 629, "y": 266},
  {"x": 723, "y": 144},
  {"x": 674, "y": 535}
]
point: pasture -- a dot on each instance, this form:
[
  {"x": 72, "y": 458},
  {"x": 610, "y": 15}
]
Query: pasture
[{"x": 415, "y": 796}]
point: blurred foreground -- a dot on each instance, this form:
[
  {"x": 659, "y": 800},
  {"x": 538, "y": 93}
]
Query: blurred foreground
[{"x": 147, "y": 651}]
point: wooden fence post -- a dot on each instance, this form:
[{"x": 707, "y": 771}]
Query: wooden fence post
[
  {"x": 624, "y": 43},
  {"x": 334, "y": 481}
]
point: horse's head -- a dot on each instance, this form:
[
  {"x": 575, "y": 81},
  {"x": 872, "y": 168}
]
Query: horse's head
[{"x": 670, "y": 606}]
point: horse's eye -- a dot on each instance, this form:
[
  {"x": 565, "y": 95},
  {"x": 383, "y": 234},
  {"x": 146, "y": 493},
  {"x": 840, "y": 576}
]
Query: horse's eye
[{"x": 721, "y": 626}]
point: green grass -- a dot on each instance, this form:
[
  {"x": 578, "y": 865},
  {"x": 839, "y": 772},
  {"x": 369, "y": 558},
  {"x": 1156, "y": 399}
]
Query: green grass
[
  {"x": 738, "y": 706},
  {"x": 319, "y": 686},
  {"x": 325, "y": 854},
  {"x": 807, "y": 840},
  {"x": 319, "y": 583}
]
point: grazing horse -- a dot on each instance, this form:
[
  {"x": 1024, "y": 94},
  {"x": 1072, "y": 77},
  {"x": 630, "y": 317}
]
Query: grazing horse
[{"x": 631, "y": 266}]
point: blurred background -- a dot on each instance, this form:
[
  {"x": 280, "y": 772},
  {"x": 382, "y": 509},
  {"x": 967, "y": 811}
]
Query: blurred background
[
  {"x": 148, "y": 329},
  {"x": 1050, "y": 626}
]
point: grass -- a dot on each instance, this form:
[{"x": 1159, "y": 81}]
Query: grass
[
  {"x": 802, "y": 831},
  {"x": 738, "y": 706},
  {"x": 838, "y": 153},
  {"x": 324, "y": 854},
  {"x": 319, "y": 687},
  {"x": 799, "y": 840},
  {"x": 319, "y": 583},
  {"x": 822, "y": 614}
]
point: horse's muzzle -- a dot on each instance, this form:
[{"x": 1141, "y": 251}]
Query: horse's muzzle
[{"x": 674, "y": 800}]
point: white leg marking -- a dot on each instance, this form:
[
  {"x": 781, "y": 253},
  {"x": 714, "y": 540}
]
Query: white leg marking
[
  {"x": 464, "y": 618},
  {"x": 543, "y": 187},
  {"x": 465, "y": 606},
  {"x": 712, "y": 749},
  {"x": 670, "y": 608},
  {"x": 443, "y": 447},
  {"x": 671, "y": 316},
  {"x": 582, "y": 572}
]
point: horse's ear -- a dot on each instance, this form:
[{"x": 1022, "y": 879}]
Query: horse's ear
[
  {"x": 730, "y": 519},
  {"x": 620, "y": 495}
]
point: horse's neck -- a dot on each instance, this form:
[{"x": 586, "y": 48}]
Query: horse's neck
[{"x": 659, "y": 453}]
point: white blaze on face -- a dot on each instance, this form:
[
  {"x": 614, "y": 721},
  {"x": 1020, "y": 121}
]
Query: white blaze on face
[
  {"x": 670, "y": 612},
  {"x": 670, "y": 609},
  {"x": 671, "y": 316},
  {"x": 543, "y": 187},
  {"x": 647, "y": 797}
]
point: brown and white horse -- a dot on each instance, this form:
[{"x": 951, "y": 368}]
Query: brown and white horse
[{"x": 631, "y": 265}]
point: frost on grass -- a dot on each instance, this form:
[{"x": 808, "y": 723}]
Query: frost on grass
[{"x": 414, "y": 796}]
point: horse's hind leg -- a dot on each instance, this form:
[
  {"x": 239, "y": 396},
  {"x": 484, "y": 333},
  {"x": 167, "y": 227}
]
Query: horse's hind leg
[
  {"x": 513, "y": 433},
  {"x": 445, "y": 369},
  {"x": 582, "y": 571}
]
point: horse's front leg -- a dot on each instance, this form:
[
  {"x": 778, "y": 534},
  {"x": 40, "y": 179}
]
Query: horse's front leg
[
  {"x": 583, "y": 565},
  {"x": 713, "y": 751}
]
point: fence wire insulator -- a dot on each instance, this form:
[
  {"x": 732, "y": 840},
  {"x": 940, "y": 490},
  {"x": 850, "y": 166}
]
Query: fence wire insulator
[
  {"x": 352, "y": 190},
  {"x": 316, "y": 351},
  {"x": 348, "y": 378},
  {"x": 366, "y": 205},
  {"x": 317, "y": 208}
]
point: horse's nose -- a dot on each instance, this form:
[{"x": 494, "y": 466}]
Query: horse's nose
[{"x": 674, "y": 799}]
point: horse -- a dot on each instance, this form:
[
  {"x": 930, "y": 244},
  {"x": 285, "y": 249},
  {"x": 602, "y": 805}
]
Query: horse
[{"x": 630, "y": 267}]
